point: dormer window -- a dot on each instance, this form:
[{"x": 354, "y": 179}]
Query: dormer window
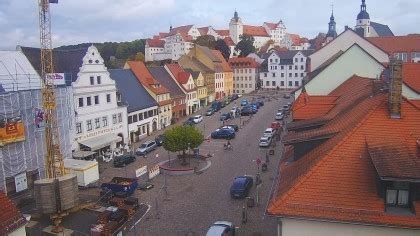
[{"x": 397, "y": 194}]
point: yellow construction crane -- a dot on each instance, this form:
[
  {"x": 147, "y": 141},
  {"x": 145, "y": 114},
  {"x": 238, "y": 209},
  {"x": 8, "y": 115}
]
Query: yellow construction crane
[{"x": 54, "y": 166}]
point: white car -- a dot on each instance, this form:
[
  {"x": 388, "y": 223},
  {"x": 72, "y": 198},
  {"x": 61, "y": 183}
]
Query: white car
[
  {"x": 221, "y": 228},
  {"x": 265, "y": 141},
  {"x": 269, "y": 132},
  {"x": 197, "y": 119},
  {"x": 279, "y": 116}
]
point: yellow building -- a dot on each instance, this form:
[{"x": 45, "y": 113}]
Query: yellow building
[
  {"x": 227, "y": 74},
  {"x": 201, "y": 88}
]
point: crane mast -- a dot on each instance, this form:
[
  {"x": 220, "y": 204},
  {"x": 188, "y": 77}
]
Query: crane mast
[{"x": 54, "y": 166}]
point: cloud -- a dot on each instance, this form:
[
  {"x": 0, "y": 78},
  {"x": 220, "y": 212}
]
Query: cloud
[{"x": 77, "y": 21}]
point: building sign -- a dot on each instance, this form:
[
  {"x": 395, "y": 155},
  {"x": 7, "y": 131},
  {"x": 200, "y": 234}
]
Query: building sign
[
  {"x": 57, "y": 78},
  {"x": 98, "y": 132},
  {"x": 39, "y": 118},
  {"x": 11, "y": 130},
  {"x": 141, "y": 171},
  {"x": 21, "y": 182}
]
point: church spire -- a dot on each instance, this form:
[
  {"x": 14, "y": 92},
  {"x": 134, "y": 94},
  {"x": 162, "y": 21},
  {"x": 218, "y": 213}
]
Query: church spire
[
  {"x": 332, "y": 33},
  {"x": 363, "y": 15}
]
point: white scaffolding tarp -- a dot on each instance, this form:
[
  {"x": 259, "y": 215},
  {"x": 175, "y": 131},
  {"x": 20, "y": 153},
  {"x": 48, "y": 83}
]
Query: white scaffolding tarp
[{"x": 29, "y": 155}]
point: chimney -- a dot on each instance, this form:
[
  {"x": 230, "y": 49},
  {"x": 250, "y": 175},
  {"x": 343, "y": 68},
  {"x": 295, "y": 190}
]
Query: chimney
[
  {"x": 395, "y": 89},
  {"x": 346, "y": 27}
]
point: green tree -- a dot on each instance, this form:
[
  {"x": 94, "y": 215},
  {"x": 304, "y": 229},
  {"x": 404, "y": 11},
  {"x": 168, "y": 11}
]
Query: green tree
[
  {"x": 139, "y": 57},
  {"x": 206, "y": 41},
  {"x": 223, "y": 48},
  {"x": 180, "y": 138},
  {"x": 245, "y": 46}
]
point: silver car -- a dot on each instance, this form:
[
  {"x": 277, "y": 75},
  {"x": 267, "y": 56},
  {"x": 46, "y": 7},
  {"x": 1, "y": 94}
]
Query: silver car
[
  {"x": 221, "y": 228},
  {"x": 265, "y": 141},
  {"x": 146, "y": 148}
]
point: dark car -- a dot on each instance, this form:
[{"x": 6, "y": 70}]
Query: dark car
[
  {"x": 210, "y": 112},
  {"x": 223, "y": 133},
  {"x": 124, "y": 160},
  {"x": 190, "y": 121},
  {"x": 160, "y": 139},
  {"x": 234, "y": 127},
  {"x": 241, "y": 186},
  {"x": 225, "y": 116},
  {"x": 286, "y": 95},
  {"x": 247, "y": 112},
  {"x": 255, "y": 104},
  {"x": 234, "y": 97},
  {"x": 261, "y": 103},
  {"x": 252, "y": 108}
]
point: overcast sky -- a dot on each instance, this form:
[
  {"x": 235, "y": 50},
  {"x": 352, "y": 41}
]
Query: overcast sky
[{"x": 78, "y": 21}]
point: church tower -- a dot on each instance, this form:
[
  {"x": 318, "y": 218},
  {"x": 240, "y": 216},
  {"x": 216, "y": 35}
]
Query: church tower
[
  {"x": 363, "y": 21},
  {"x": 236, "y": 28},
  {"x": 332, "y": 33}
]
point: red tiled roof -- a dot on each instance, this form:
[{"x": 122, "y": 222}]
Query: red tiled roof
[
  {"x": 178, "y": 72},
  {"x": 243, "y": 62},
  {"x": 10, "y": 216},
  {"x": 336, "y": 180},
  {"x": 181, "y": 30},
  {"x": 255, "y": 31},
  {"x": 229, "y": 41},
  {"x": 145, "y": 78},
  {"x": 156, "y": 43},
  {"x": 309, "y": 107},
  {"x": 203, "y": 30},
  {"x": 222, "y": 32},
  {"x": 183, "y": 77},
  {"x": 392, "y": 44},
  {"x": 411, "y": 76},
  {"x": 271, "y": 26},
  {"x": 225, "y": 65},
  {"x": 163, "y": 35}
]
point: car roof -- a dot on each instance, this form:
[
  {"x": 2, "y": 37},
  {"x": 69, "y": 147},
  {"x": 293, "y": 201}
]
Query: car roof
[
  {"x": 147, "y": 142},
  {"x": 269, "y": 129},
  {"x": 216, "y": 230},
  {"x": 197, "y": 116}
]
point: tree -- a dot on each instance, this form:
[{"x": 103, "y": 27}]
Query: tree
[
  {"x": 223, "y": 48},
  {"x": 206, "y": 41},
  {"x": 180, "y": 138},
  {"x": 139, "y": 57},
  {"x": 245, "y": 46}
]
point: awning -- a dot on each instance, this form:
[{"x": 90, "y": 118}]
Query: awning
[
  {"x": 82, "y": 154},
  {"x": 101, "y": 141}
]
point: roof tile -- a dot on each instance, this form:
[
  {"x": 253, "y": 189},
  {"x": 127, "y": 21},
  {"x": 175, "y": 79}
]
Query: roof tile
[{"x": 10, "y": 216}]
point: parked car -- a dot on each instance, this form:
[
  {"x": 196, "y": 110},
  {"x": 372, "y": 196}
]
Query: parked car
[
  {"x": 265, "y": 141},
  {"x": 244, "y": 102},
  {"x": 223, "y": 133},
  {"x": 197, "y": 119},
  {"x": 234, "y": 97},
  {"x": 210, "y": 112},
  {"x": 146, "y": 148},
  {"x": 216, "y": 105},
  {"x": 233, "y": 127},
  {"x": 241, "y": 186},
  {"x": 190, "y": 121},
  {"x": 276, "y": 125},
  {"x": 253, "y": 108},
  {"x": 226, "y": 102},
  {"x": 121, "y": 161},
  {"x": 286, "y": 107},
  {"x": 269, "y": 132},
  {"x": 225, "y": 116},
  {"x": 221, "y": 228},
  {"x": 261, "y": 103},
  {"x": 160, "y": 139},
  {"x": 247, "y": 112},
  {"x": 286, "y": 95},
  {"x": 256, "y": 104},
  {"x": 279, "y": 116}
]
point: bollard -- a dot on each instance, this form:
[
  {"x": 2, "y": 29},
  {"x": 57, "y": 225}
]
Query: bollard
[{"x": 244, "y": 215}]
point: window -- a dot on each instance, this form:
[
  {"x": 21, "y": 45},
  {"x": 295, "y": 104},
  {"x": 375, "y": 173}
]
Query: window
[
  {"x": 97, "y": 123},
  {"x": 96, "y": 100},
  {"x": 150, "y": 113},
  {"x": 302, "y": 67},
  {"x": 274, "y": 74},
  {"x": 282, "y": 67},
  {"x": 290, "y": 67},
  {"x": 246, "y": 85},
  {"x": 273, "y": 83},
  {"x": 265, "y": 74},
  {"x": 250, "y": 85},
  {"x": 119, "y": 118},
  {"x": 92, "y": 80},
  {"x": 114, "y": 119},
  {"x": 105, "y": 121},
  {"x": 296, "y": 60},
  {"x": 267, "y": 83},
  {"x": 282, "y": 75},
  {"x": 290, "y": 75},
  {"x": 271, "y": 60},
  {"x": 98, "y": 79},
  {"x": 415, "y": 56},
  {"x": 301, "y": 59},
  {"x": 296, "y": 67},
  {"x": 89, "y": 125},
  {"x": 296, "y": 83},
  {"x": 80, "y": 102},
  {"x": 302, "y": 75},
  {"x": 135, "y": 118},
  {"x": 401, "y": 56},
  {"x": 398, "y": 194},
  {"x": 79, "y": 128},
  {"x": 108, "y": 98},
  {"x": 88, "y": 101},
  {"x": 140, "y": 116},
  {"x": 290, "y": 83},
  {"x": 296, "y": 74},
  {"x": 282, "y": 83}
]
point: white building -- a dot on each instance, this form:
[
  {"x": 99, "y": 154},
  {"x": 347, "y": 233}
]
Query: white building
[
  {"x": 154, "y": 49},
  {"x": 100, "y": 120},
  {"x": 245, "y": 74},
  {"x": 367, "y": 28},
  {"x": 141, "y": 107},
  {"x": 283, "y": 69}
]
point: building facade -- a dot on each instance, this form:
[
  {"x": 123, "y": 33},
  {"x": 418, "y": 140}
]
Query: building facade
[
  {"x": 142, "y": 109},
  {"x": 154, "y": 50},
  {"x": 227, "y": 74},
  {"x": 100, "y": 121},
  {"x": 367, "y": 28},
  {"x": 283, "y": 69},
  {"x": 201, "y": 87},
  {"x": 245, "y": 74}
]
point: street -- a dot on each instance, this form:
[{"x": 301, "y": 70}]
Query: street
[{"x": 194, "y": 202}]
